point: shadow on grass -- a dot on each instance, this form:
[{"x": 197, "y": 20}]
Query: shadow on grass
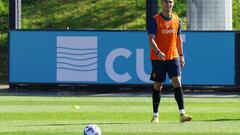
[
  {"x": 79, "y": 124},
  {"x": 220, "y": 120}
]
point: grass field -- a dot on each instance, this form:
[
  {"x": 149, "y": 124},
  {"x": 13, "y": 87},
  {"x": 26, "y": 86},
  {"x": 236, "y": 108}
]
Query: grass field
[{"x": 37, "y": 115}]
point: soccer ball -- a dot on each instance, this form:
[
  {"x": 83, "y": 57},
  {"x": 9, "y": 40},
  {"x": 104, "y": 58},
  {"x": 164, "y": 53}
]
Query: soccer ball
[{"x": 92, "y": 129}]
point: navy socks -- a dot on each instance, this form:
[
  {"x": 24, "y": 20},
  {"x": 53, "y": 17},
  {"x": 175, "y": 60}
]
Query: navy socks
[
  {"x": 156, "y": 97},
  {"x": 178, "y": 94}
]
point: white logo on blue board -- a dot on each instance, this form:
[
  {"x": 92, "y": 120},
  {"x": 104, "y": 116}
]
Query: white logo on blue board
[{"x": 76, "y": 58}]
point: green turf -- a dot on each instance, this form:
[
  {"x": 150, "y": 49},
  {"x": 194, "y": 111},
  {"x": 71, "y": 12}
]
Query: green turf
[{"x": 35, "y": 115}]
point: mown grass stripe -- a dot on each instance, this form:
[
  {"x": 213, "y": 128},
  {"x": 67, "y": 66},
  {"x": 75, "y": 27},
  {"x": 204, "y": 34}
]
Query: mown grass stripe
[
  {"x": 136, "y": 116},
  {"x": 115, "y": 115},
  {"x": 112, "y": 108},
  {"x": 114, "y": 99}
]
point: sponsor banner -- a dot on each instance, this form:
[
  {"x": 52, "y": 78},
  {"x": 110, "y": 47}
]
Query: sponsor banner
[{"x": 108, "y": 57}]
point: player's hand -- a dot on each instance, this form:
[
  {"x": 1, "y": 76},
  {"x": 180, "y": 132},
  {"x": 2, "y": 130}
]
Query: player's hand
[
  {"x": 182, "y": 61},
  {"x": 161, "y": 56}
]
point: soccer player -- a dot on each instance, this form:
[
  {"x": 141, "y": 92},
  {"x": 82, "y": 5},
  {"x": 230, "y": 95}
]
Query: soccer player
[{"x": 166, "y": 53}]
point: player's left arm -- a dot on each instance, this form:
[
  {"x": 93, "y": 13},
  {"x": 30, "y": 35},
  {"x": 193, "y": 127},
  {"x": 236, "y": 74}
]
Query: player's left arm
[{"x": 180, "y": 45}]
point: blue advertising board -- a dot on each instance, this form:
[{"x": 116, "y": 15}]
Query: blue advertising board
[{"x": 113, "y": 57}]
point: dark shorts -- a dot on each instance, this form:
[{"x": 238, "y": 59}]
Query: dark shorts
[{"x": 161, "y": 68}]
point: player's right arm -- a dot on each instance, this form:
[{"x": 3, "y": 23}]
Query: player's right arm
[
  {"x": 154, "y": 46},
  {"x": 151, "y": 36}
]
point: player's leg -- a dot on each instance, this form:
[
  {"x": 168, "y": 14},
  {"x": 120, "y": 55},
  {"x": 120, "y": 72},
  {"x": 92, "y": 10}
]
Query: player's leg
[
  {"x": 178, "y": 94},
  {"x": 156, "y": 98},
  {"x": 158, "y": 76},
  {"x": 174, "y": 73}
]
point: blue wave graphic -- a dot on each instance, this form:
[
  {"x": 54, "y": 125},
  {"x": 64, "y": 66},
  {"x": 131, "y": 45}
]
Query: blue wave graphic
[
  {"x": 69, "y": 58},
  {"x": 93, "y": 69},
  {"x": 75, "y": 53},
  {"x": 75, "y": 59},
  {"x": 91, "y": 64},
  {"x": 68, "y": 48},
  {"x": 76, "y": 67},
  {"x": 86, "y": 56},
  {"x": 78, "y": 51},
  {"x": 79, "y": 63}
]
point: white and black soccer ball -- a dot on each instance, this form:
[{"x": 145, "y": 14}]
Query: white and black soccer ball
[{"x": 92, "y": 129}]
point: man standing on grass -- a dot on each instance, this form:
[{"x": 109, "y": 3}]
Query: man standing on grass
[{"x": 167, "y": 57}]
